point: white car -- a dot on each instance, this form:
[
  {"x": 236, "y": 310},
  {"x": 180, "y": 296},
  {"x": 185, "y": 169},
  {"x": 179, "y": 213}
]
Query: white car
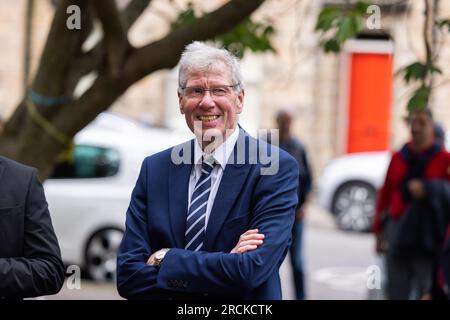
[
  {"x": 348, "y": 187},
  {"x": 89, "y": 195}
]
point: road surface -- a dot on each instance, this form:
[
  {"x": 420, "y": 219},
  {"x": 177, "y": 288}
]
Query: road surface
[{"x": 339, "y": 265}]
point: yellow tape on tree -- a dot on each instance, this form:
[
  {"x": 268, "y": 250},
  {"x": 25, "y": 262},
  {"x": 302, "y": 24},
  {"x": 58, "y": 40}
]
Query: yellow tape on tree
[{"x": 52, "y": 131}]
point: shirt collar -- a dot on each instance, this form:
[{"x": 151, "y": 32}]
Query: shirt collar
[{"x": 221, "y": 153}]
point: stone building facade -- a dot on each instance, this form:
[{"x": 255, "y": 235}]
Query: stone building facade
[{"x": 299, "y": 75}]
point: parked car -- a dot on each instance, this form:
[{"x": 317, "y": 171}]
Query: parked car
[
  {"x": 88, "y": 195},
  {"x": 348, "y": 187}
]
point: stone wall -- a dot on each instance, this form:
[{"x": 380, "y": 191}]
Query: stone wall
[{"x": 300, "y": 75}]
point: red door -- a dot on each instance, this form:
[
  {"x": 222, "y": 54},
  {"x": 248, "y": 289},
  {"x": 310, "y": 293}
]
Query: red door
[{"x": 369, "y": 102}]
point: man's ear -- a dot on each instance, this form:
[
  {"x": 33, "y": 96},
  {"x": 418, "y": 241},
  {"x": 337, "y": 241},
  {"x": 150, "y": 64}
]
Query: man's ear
[
  {"x": 180, "y": 97},
  {"x": 240, "y": 101}
]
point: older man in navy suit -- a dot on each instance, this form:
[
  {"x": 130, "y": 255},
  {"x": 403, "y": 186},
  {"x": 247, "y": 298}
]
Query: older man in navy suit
[{"x": 211, "y": 218}]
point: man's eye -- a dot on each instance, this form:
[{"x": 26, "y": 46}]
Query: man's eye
[
  {"x": 194, "y": 91},
  {"x": 197, "y": 90},
  {"x": 219, "y": 91}
]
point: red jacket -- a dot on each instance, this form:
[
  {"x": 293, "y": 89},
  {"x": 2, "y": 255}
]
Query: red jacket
[{"x": 390, "y": 195}]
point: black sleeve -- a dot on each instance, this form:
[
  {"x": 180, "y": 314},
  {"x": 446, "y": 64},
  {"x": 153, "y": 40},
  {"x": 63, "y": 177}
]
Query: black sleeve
[
  {"x": 40, "y": 270},
  {"x": 305, "y": 175},
  {"x": 308, "y": 174}
]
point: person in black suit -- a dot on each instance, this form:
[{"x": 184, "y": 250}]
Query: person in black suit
[
  {"x": 30, "y": 258},
  {"x": 296, "y": 149}
]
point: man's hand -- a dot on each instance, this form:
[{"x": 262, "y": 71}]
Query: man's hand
[
  {"x": 157, "y": 257},
  {"x": 248, "y": 241},
  {"x": 151, "y": 261},
  {"x": 417, "y": 189}
]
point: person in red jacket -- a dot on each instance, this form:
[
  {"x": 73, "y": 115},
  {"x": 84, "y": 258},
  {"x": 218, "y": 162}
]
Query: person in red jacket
[{"x": 421, "y": 160}]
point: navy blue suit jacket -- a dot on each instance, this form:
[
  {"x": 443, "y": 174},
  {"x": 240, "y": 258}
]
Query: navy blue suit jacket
[{"x": 156, "y": 218}]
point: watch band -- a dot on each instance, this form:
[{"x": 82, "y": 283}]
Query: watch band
[{"x": 159, "y": 256}]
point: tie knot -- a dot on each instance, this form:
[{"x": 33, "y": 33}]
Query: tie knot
[{"x": 208, "y": 163}]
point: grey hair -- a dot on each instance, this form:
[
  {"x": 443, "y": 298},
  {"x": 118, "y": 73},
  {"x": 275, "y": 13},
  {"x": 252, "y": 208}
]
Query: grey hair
[{"x": 199, "y": 56}]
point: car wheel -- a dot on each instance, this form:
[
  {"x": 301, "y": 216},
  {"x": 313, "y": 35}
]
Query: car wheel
[
  {"x": 101, "y": 254},
  {"x": 354, "y": 206}
]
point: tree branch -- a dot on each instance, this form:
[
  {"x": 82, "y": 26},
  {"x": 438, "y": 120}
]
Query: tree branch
[
  {"x": 29, "y": 13},
  {"x": 149, "y": 58},
  {"x": 133, "y": 11},
  {"x": 24, "y": 140},
  {"x": 114, "y": 33},
  {"x": 161, "y": 54},
  {"x": 92, "y": 59},
  {"x": 62, "y": 45},
  {"x": 427, "y": 32},
  {"x": 50, "y": 79}
]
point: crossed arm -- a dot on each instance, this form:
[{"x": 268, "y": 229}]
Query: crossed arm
[
  {"x": 248, "y": 241},
  {"x": 247, "y": 266}
]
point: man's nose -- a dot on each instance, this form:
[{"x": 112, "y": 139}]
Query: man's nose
[{"x": 207, "y": 100}]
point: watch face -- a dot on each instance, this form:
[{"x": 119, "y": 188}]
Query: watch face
[{"x": 160, "y": 255}]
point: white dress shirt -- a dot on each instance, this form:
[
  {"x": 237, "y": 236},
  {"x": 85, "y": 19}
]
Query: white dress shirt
[{"x": 221, "y": 155}]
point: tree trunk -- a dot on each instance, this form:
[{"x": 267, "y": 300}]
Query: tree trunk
[
  {"x": 26, "y": 139},
  {"x": 28, "y": 42}
]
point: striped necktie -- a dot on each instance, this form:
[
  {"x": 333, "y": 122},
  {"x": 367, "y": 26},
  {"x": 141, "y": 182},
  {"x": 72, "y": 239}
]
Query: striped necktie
[{"x": 196, "y": 218}]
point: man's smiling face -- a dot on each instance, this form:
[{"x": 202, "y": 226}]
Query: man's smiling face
[{"x": 215, "y": 112}]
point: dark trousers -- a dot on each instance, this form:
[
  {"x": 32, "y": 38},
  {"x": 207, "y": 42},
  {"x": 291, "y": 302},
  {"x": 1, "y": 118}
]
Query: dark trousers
[
  {"x": 408, "y": 277},
  {"x": 296, "y": 252}
]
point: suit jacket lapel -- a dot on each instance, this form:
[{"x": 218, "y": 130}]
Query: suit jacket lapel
[
  {"x": 179, "y": 175},
  {"x": 230, "y": 186}
]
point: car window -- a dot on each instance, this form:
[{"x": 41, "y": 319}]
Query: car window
[{"x": 88, "y": 162}]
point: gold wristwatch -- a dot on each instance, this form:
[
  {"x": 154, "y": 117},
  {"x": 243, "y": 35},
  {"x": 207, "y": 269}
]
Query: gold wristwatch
[{"x": 159, "y": 257}]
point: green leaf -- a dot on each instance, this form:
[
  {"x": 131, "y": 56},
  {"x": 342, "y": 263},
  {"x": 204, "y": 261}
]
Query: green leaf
[
  {"x": 327, "y": 19},
  {"x": 435, "y": 69},
  {"x": 361, "y": 7},
  {"x": 444, "y": 23},
  {"x": 358, "y": 24},
  {"x": 346, "y": 24},
  {"x": 331, "y": 45},
  {"x": 254, "y": 36},
  {"x": 420, "y": 98},
  {"x": 349, "y": 27},
  {"x": 414, "y": 71},
  {"x": 268, "y": 31},
  {"x": 344, "y": 30},
  {"x": 184, "y": 18},
  {"x": 418, "y": 71}
]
